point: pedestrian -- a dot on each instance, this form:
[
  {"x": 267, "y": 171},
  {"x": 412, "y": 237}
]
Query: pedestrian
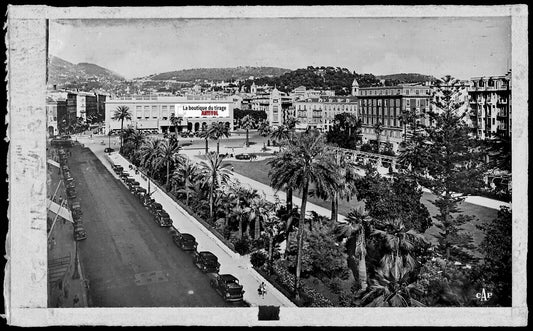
[{"x": 232, "y": 169}]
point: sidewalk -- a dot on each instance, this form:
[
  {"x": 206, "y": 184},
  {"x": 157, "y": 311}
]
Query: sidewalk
[
  {"x": 230, "y": 262},
  {"x": 62, "y": 258}
]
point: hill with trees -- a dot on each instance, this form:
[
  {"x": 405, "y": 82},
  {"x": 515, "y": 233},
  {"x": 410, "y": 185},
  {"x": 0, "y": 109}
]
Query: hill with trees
[
  {"x": 218, "y": 74},
  {"x": 406, "y": 78},
  {"x": 320, "y": 78}
]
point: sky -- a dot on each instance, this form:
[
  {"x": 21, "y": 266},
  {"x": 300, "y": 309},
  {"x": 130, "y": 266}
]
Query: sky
[{"x": 463, "y": 47}]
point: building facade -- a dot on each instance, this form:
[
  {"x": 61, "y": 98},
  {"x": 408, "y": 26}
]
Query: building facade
[
  {"x": 385, "y": 105},
  {"x": 279, "y": 107},
  {"x": 153, "y": 112},
  {"x": 319, "y": 113},
  {"x": 490, "y": 105}
]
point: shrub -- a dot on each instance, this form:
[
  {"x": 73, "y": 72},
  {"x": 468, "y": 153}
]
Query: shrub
[
  {"x": 242, "y": 246},
  {"x": 258, "y": 259},
  {"x": 335, "y": 285},
  {"x": 366, "y": 148}
]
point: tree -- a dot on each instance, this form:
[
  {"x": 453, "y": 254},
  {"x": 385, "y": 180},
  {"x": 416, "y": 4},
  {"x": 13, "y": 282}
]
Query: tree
[
  {"x": 247, "y": 123},
  {"x": 347, "y": 186},
  {"x": 121, "y": 113},
  {"x": 149, "y": 155},
  {"x": 167, "y": 153},
  {"x": 345, "y": 131},
  {"x": 217, "y": 131},
  {"x": 311, "y": 164},
  {"x": 496, "y": 247},
  {"x": 175, "y": 121},
  {"x": 260, "y": 210},
  {"x": 185, "y": 175},
  {"x": 378, "y": 129},
  {"x": 214, "y": 174},
  {"x": 355, "y": 230},
  {"x": 446, "y": 160}
]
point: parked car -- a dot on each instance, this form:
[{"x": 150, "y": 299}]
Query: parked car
[
  {"x": 140, "y": 192},
  {"x": 155, "y": 207},
  {"x": 133, "y": 184},
  {"x": 108, "y": 150},
  {"x": 227, "y": 286},
  {"x": 185, "y": 241},
  {"x": 124, "y": 175},
  {"x": 79, "y": 232},
  {"x": 163, "y": 218},
  {"x": 117, "y": 168},
  {"x": 128, "y": 180},
  {"x": 243, "y": 156},
  {"x": 71, "y": 193},
  {"x": 148, "y": 202},
  {"x": 206, "y": 261}
]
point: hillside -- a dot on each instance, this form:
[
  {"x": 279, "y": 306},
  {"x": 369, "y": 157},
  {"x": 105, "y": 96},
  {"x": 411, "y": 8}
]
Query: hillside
[
  {"x": 85, "y": 76},
  {"x": 218, "y": 74},
  {"x": 326, "y": 78},
  {"x": 403, "y": 78}
]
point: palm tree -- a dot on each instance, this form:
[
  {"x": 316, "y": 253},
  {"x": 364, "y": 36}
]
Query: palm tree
[
  {"x": 149, "y": 154},
  {"x": 351, "y": 121},
  {"x": 214, "y": 173},
  {"x": 311, "y": 164},
  {"x": 186, "y": 175},
  {"x": 281, "y": 134},
  {"x": 264, "y": 129},
  {"x": 246, "y": 123},
  {"x": 167, "y": 153},
  {"x": 217, "y": 131},
  {"x": 378, "y": 129},
  {"x": 175, "y": 121},
  {"x": 121, "y": 113},
  {"x": 355, "y": 230},
  {"x": 260, "y": 210},
  {"x": 346, "y": 189}
]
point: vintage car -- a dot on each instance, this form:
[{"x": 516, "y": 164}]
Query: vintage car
[
  {"x": 128, "y": 180},
  {"x": 140, "y": 192},
  {"x": 79, "y": 232},
  {"x": 155, "y": 207},
  {"x": 163, "y": 218},
  {"x": 185, "y": 241},
  {"x": 124, "y": 175},
  {"x": 108, "y": 150},
  {"x": 133, "y": 184},
  {"x": 227, "y": 286},
  {"x": 206, "y": 261},
  {"x": 117, "y": 168},
  {"x": 148, "y": 202},
  {"x": 71, "y": 193},
  {"x": 243, "y": 156}
]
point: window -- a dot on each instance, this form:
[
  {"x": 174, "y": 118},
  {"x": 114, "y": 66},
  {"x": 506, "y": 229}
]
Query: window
[
  {"x": 407, "y": 103},
  {"x": 417, "y": 91},
  {"x": 407, "y": 92}
]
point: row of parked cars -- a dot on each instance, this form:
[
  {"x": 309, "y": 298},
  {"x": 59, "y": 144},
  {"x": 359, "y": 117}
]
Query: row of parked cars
[
  {"x": 79, "y": 232},
  {"x": 226, "y": 285}
]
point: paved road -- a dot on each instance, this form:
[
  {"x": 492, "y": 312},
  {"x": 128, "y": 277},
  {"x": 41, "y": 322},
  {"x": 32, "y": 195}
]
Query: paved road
[{"x": 128, "y": 259}]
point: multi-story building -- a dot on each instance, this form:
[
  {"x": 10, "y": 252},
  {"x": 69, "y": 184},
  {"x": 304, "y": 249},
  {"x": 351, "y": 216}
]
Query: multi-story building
[
  {"x": 386, "y": 104},
  {"x": 153, "y": 112},
  {"x": 319, "y": 113},
  {"x": 279, "y": 106},
  {"x": 51, "y": 117},
  {"x": 490, "y": 105}
]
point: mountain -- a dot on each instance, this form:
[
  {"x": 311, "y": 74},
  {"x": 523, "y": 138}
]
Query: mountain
[
  {"x": 218, "y": 74},
  {"x": 85, "y": 76},
  {"x": 404, "y": 78}
]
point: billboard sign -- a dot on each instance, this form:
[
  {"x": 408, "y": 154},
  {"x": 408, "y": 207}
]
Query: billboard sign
[{"x": 205, "y": 110}]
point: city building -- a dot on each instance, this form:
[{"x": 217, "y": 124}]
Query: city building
[
  {"x": 385, "y": 105},
  {"x": 153, "y": 112},
  {"x": 490, "y": 105},
  {"x": 51, "y": 116},
  {"x": 319, "y": 112},
  {"x": 278, "y": 108}
]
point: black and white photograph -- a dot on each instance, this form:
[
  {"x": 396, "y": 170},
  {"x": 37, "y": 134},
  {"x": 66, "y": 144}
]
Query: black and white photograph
[{"x": 268, "y": 165}]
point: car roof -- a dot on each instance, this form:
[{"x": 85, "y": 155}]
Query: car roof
[
  {"x": 228, "y": 278},
  {"x": 207, "y": 254},
  {"x": 187, "y": 235}
]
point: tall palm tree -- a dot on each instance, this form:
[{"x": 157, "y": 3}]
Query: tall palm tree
[
  {"x": 175, "y": 121},
  {"x": 149, "y": 155},
  {"x": 217, "y": 131},
  {"x": 214, "y": 174},
  {"x": 121, "y": 113},
  {"x": 167, "y": 153},
  {"x": 311, "y": 164},
  {"x": 264, "y": 129},
  {"x": 185, "y": 175},
  {"x": 347, "y": 188},
  {"x": 281, "y": 134},
  {"x": 355, "y": 230},
  {"x": 246, "y": 123},
  {"x": 260, "y": 210}
]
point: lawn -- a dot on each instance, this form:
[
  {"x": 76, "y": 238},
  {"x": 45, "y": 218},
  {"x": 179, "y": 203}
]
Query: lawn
[{"x": 258, "y": 170}]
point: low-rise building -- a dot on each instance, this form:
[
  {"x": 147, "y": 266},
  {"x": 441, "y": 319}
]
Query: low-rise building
[{"x": 154, "y": 112}]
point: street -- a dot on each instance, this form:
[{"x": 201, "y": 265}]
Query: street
[{"x": 129, "y": 260}]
